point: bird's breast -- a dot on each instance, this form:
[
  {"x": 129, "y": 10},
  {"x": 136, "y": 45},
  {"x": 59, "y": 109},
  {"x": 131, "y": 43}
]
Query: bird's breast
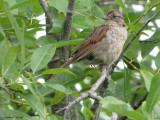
[{"x": 111, "y": 45}]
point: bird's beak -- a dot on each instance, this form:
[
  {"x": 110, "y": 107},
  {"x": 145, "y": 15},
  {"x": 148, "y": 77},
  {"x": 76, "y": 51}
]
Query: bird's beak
[{"x": 105, "y": 17}]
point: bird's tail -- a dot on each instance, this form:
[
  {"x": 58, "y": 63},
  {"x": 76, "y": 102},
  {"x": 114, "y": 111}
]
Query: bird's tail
[{"x": 64, "y": 66}]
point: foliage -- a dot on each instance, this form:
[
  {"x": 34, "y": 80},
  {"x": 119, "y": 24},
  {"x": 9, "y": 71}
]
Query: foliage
[{"x": 24, "y": 59}]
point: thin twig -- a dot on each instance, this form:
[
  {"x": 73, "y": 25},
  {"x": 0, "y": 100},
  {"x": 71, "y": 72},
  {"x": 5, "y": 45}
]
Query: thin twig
[
  {"x": 77, "y": 100},
  {"x": 14, "y": 90},
  {"x": 139, "y": 103},
  {"x": 148, "y": 41},
  {"x": 130, "y": 62},
  {"x": 47, "y": 11},
  {"x": 67, "y": 113},
  {"x": 149, "y": 9}
]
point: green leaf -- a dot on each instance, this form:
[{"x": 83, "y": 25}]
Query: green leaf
[
  {"x": 60, "y": 5},
  {"x": 97, "y": 11},
  {"x": 154, "y": 93},
  {"x": 121, "y": 4},
  {"x": 42, "y": 56},
  {"x": 2, "y": 115},
  {"x": 58, "y": 25},
  {"x": 35, "y": 104},
  {"x": 57, "y": 87},
  {"x": 47, "y": 39},
  {"x": 51, "y": 117},
  {"x": 2, "y": 32},
  {"x": 147, "y": 77},
  {"x": 133, "y": 50},
  {"x": 2, "y": 83},
  {"x": 10, "y": 57},
  {"x": 18, "y": 32},
  {"x": 157, "y": 60},
  {"x": 67, "y": 79},
  {"x": 114, "y": 105},
  {"x": 17, "y": 86},
  {"x": 4, "y": 97},
  {"x": 4, "y": 48},
  {"x": 57, "y": 98},
  {"x": 87, "y": 113},
  {"x": 147, "y": 48},
  {"x": 58, "y": 71},
  {"x": 134, "y": 28},
  {"x": 30, "y": 87},
  {"x": 68, "y": 42},
  {"x": 10, "y": 72},
  {"x": 157, "y": 110},
  {"x": 126, "y": 83},
  {"x": 87, "y": 3},
  {"x": 135, "y": 115},
  {"x": 17, "y": 114},
  {"x": 21, "y": 4},
  {"x": 112, "y": 87},
  {"x": 144, "y": 110}
]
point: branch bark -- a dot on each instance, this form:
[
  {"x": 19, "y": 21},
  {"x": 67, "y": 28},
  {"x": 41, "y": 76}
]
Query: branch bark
[
  {"x": 152, "y": 41},
  {"x": 96, "y": 103},
  {"x": 89, "y": 94},
  {"x": 67, "y": 29},
  {"x": 47, "y": 11}
]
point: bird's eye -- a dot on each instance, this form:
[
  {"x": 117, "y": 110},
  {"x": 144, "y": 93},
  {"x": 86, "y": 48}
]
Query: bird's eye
[{"x": 114, "y": 16}]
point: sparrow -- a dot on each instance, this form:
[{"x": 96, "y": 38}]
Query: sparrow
[{"x": 104, "y": 44}]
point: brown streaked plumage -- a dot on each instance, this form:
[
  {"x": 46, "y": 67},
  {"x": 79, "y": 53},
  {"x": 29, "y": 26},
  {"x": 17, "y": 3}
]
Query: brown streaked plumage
[{"x": 104, "y": 44}]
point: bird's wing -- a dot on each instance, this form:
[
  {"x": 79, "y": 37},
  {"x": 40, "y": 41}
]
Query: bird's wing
[{"x": 90, "y": 43}]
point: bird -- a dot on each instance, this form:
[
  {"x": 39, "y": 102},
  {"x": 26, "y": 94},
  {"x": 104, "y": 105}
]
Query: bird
[{"x": 104, "y": 44}]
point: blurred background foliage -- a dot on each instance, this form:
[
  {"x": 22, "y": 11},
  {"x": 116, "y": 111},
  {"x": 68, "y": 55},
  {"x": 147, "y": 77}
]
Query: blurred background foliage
[{"x": 25, "y": 51}]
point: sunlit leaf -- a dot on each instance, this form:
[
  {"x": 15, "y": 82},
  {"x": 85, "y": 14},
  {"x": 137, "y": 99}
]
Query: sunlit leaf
[
  {"x": 58, "y": 71},
  {"x": 4, "y": 97},
  {"x": 35, "y": 104},
  {"x": 147, "y": 77},
  {"x": 42, "y": 56},
  {"x": 154, "y": 93}
]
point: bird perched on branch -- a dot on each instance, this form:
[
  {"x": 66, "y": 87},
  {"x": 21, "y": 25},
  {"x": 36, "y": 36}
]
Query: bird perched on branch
[{"x": 104, "y": 44}]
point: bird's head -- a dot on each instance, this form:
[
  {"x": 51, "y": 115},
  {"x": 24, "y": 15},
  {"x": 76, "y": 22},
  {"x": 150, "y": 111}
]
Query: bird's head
[{"x": 113, "y": 15}]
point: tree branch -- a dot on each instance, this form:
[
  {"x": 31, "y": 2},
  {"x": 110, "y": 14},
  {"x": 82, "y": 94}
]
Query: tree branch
[
  {"x": 47, "y": 11},
  {"x": 75, "y": 109},
  {"x": 89, "y": 94},
  {"x": 142, "y": 41},
  {"x": 96, "y": 106},
  {"x": 139, "y": 103},
  {"x": 67, "y": 29}
]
